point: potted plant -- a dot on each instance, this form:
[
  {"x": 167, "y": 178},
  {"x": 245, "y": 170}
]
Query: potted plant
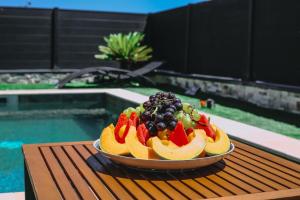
[{"x": 125, "y": 48}]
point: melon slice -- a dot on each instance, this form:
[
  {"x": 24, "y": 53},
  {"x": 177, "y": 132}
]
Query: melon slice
[
  {"x": 109, "y": 144},
  {"x": 136, "y": 148},
  {"x": 189, "y": 151},
  {"x": 220, "y": 145}
]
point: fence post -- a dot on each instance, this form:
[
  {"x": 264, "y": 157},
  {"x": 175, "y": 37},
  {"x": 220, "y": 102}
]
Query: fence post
[
  {"x": 54, "y": 39},
  {"x": 248, "y": 76},
  {"x": 187, "y": 39}
]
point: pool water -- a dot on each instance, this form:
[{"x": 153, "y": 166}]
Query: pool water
[{"x": 48, "y": 118}]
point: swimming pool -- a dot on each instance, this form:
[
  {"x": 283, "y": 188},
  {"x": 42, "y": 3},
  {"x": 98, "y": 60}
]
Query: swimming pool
[{"x": 26, "y": 119}]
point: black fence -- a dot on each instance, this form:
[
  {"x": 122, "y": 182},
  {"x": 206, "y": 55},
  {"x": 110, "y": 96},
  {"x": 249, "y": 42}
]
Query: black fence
[
  {"x": 250, "y": 40},
  {"x": 58, "y": 39},
  {"x": 25, "y": 38}
]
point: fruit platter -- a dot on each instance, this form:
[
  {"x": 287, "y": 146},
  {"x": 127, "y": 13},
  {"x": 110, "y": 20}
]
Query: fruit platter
[{"x": 164, "y": 133}]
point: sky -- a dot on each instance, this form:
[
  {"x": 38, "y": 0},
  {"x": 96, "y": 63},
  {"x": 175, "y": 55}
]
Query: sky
[{"x": 129, "y": 6}]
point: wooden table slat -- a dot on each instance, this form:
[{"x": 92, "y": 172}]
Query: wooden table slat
[
  {"x": 44, "y": 186},
  {"x": 277, "y": 181},
  {"x": 269, "y": 163},
  {"x": 68, "y": 192},
  {"x": 78, "y": 171},
  {"x": 271, "y": 157},
  {"x": 254, "y": 175},
  {"x": 77, "y": 180},
  {"x": 238, "y": 182},
  {"x": 184, "y": 189},
  {"x": 217, "y": 189},
  {"x": 286, "y": 179},
  {"x": 110, "y": 181},
  {"x": 128, "y": 183},
  {"x": 88, "y": 174}
]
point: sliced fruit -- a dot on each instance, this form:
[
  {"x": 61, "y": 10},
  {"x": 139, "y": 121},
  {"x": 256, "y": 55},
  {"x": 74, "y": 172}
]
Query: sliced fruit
[
  {"x": 109, "y": 144},
  {"x": 142, "y": 134},
  {"x": 220, "y": 145},
  {"x": 201, "y": 131},
  {"x": 186, "y": 152},
  {"x": 122, "y": 134},
  {"x": 134, "y": 118},
  {"x": 136, "y": 148},
  {"x": 122, "y": 120},
  {"x": 178, "y": 136},
  {"x": 169, "y": 144},
  {"x": 204, "y": 124},
  {"x": 164, "y": 135}
]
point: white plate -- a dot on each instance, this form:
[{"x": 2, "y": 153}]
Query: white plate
[{"x": 163, "y": 164}]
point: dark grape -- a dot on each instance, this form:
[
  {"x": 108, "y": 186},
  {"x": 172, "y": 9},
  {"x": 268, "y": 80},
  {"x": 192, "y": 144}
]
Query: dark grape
[
  {"x": 171, "y": 110},
  {"x": 172, "y": 125},
  {"x": 178, "y": 106},
  {"x": 153, "y": 117},
  {"x": 171, "y": 95},
  {"x": 148, "y": 124},
  {"x": 146, "y": 104},
  {"x": 159, "y": 118},
  {"x": 161, "y": 126},
  {"x": 152, "y": 97},
  {"x": 158, "y": 94},
  {"x": 168, "y": 116},
  {"x": 173, "y": 107},
  {"x": 167, "y": 104},
  {"x": 146, "y": 116},
  {"x": 152, "y": 130},
  {"x": 176, "y": 100}
]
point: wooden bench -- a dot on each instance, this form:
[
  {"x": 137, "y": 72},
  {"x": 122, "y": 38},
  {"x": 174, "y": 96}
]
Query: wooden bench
[{"x": 76, "y": 171}]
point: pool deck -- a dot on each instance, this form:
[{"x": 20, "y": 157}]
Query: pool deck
[{"x": 273, "y": 142}]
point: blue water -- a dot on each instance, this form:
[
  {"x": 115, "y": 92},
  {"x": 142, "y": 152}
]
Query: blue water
[
  {"x": 16, "y": 132},
  {"x": 38, "y": 119}
]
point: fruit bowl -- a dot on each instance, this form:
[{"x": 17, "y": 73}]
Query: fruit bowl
[
  {"x": 153, "y": 164},
  {"x": 164, "y": 133}
]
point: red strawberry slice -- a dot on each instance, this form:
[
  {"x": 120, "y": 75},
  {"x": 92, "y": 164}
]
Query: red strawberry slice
[
  {"x": 122, "y": 120},
  {"x": 122, "y": 137},
  {"x": 204, "y": 124},
  {"x": 135, "y": 119},
  {"x": 142, "y": 134},
  {"x": 178, "y": 136}
]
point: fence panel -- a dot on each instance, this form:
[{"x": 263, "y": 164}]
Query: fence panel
[
  {"x": 168, "y": 37},
  {"x": 219, "y": 38},
  {"x": 276, "y": 41},
  {"x": 25, "y": 38},
  {"x": 78, "y": 34}
]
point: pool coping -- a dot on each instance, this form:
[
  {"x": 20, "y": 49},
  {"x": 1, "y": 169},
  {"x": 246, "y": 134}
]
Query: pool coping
[{"x": 271, "y": 141}]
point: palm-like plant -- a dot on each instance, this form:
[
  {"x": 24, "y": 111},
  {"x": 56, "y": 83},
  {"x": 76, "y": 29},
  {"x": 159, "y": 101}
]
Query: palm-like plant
[{"x": 125, "y": 48}]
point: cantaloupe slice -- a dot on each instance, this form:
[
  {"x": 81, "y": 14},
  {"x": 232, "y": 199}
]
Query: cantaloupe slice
[
  {"x": 189, "y": 151},
  {"x": 220, "y": 145},
  {"x": 136, "y": 148},
  {"x": 109, "y": 144}
]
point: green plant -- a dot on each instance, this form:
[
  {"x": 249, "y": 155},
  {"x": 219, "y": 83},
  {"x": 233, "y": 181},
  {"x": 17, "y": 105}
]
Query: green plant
[{"x": 125, "y": 48}]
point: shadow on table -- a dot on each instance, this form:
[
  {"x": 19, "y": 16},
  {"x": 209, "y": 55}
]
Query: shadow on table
[{"x": 101, "y": 164}]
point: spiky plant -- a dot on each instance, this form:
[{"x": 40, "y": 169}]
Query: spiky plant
[{"x": 125, "y": 48}]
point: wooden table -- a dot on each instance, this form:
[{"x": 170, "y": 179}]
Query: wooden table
[{"x": 76, "y": 171}]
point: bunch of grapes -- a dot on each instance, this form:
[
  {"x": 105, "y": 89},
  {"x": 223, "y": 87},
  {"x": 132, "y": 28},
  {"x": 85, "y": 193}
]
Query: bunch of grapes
[
  {"x": 189, "y": 115},
  {"x": 160, "y": 112}
]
